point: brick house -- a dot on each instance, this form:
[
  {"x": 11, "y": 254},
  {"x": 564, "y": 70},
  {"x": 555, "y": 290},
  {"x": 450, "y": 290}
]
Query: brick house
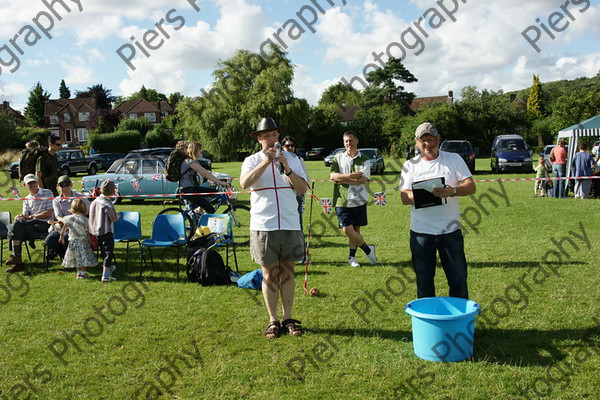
[
  {"x": 419, "y": 102},
  {"x": 16, "y": 115},
  {"x": 154, "y": 111},
  {"x": 67, "y": 118}
]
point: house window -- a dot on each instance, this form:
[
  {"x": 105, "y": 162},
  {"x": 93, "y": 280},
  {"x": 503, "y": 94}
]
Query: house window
[
  {"x": 165, "y": 114},
  {"x": 150, "y": 116},
  {"x": 83, "y": 116},
  {"x": 82, "y": 134},
  {"x": 67, "y": 117},
  {"x": 67, "y": 135},
  {"x": 54, "y": 120},
  {"x": 132, "y": 116}
]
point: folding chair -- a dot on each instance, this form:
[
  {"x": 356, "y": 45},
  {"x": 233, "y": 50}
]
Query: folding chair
[
  {"x": 221, "y": 224},
  {"x": 128, "y": 228},
  {"x": 44, "y": 251},
  {"x": 168, "y": 230},
  {"x": 4, "y": 222}
]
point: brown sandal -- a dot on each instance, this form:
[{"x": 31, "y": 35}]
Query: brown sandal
[
  {"x": 292, "y": 326},
  {"x": 272, "y": 330}
]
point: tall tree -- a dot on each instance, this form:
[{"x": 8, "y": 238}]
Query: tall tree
[
  {"x": 534, "y": 105},
  {"x": 64, "y": 91},
  {"x": 385, "y": 86},
  {"x": 247, "y": 87},
  {"x": 175, "y": 98},
  {"x": 340, "y": 93},
  {"x": 101, "y": 95},
  {"x": 34, "y": 111}
]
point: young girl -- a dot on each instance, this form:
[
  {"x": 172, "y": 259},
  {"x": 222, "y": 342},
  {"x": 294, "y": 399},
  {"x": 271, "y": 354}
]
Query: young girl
[
  {"x": 79, "y": 252},
  {"x": 541, "y": 171},
  {"x": 102, "y": 217}
]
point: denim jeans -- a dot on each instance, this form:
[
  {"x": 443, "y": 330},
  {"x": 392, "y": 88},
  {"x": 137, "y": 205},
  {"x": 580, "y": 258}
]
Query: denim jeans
[
  {"x": 452, "y": 255},
  {"x": 107, "y": 247},
  {"x": 559, "y": 171}
]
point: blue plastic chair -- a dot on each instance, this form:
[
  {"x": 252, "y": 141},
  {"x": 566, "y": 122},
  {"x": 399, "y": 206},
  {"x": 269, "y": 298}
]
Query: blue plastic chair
[
  {"x": 168, "y": 230},
  {"x": 226, "y": 233},
  {"x": 4, "y": 222},
  {"x": 128, "y": 229}
]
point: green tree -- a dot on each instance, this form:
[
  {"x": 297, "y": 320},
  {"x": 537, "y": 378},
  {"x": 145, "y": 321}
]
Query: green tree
[
  {"x": 34, "y": 111},
  {"x": 385, "y": 88},
  {"x": 339, "y": 94},
  {"x": 102, "y": 96},
  {"x": 147, "y": 94},
  {"x": 247, "y": 87},
  {"x": 534, "y": 105},
  {"x": 8, "y": 132},
  {"x": 142, "y": 125},
  {"x": 572, "y": 108},
  {"x": 175, "y": 98},
  {"x": 104, "y": 121},
  {"x": 64, "y": 92}
]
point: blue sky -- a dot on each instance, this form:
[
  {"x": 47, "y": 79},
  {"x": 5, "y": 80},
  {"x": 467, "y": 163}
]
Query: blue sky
[{"x": 456, "y": 44}]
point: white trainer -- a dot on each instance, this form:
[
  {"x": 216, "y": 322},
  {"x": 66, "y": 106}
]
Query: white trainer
[
  {"x": 109, "y": 278},
  {"x": 371, "y": 256},
  {"x": 352, "y": 262}
]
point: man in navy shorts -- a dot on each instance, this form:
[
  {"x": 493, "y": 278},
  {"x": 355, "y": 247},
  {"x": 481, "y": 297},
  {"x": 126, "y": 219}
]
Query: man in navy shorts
[{"x": 351, "y": 171}]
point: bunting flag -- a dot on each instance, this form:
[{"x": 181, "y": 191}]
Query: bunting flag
[
  {"x": 15, "y": 191},
  {"x": 156, "y": 177},
  {"x": 303, "y": 207},
  {"x": 326, "y": 204},
  {"x": 136, "y": 185},
  {"x": 380, "y": 198}
]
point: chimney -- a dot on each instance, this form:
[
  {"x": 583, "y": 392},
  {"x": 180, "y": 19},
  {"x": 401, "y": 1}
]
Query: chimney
[
  {"x": 513, "y": 97},
  {"x": 450, "y": 94},
  {"x": 5, "y": 104}
]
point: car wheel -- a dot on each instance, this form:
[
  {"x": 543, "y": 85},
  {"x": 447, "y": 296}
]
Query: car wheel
[
  {"x": 65, "y": 171},
  {"x": 92, "y": 170}
]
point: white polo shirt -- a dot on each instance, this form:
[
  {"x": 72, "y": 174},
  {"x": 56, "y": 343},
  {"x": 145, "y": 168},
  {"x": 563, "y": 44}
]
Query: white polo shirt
[{"x": 273, "y": 204}]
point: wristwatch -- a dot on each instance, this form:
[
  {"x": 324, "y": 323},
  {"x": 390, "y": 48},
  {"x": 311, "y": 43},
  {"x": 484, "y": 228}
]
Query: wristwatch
[
  {"x": 453, "y": 192},
  {"x": 289, "y": 173}
]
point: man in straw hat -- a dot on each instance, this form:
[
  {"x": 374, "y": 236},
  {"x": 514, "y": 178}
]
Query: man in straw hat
[
  {"x": 275, "y": 236},
  {"x": 436, "y": 227}
]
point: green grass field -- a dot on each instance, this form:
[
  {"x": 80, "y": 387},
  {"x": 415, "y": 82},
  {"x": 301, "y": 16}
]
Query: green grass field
[{"x": 532, "y": 268}]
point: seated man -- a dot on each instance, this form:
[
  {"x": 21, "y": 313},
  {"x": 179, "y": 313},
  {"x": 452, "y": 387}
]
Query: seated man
[
  {"x": 62, "y": 206},
  {"x": 31, "y": 223}
]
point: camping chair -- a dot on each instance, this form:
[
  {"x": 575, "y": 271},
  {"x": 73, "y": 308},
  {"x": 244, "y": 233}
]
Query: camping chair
[
  {"x": 221, "y": 224},
  {"x": 41, "y": 236},
  {"x": 168, "y": 230},
  {"x": 128, "y": 228},
  {"x": 4, "y": 222}
]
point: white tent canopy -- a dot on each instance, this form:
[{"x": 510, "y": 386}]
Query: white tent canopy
[{"x": 587, "y": 128}]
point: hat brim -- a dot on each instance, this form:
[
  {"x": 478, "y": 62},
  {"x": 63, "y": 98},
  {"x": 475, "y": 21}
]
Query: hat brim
[{"x": 256, "y": 133}]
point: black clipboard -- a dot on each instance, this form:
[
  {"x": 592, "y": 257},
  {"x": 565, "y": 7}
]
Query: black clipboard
[{"x": 423, "y": 198}]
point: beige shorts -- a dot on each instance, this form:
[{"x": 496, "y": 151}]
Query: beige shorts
[{"x": 270, "y": 247}]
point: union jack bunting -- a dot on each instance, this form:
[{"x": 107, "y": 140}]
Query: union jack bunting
[
  {"x": 15, "y": 192},
  {"x": 380, "y": 198},
  {"x": 156, "y": 177},
  {"x": 326, "y": 204},
  {"x": 136, "y": 185}
]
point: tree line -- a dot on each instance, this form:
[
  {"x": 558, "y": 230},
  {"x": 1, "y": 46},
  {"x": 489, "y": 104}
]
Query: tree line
[{"x": 249, "y": 86}]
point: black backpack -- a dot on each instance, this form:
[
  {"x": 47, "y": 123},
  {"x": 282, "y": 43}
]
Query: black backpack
[
  {"x": 207, "y": 268},
  {"x": 173, "y": 167},
  {"x": 28, "y": 161}
]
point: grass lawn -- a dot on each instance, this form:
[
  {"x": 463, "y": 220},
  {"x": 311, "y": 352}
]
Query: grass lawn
[{"x": 532, "y": 268}]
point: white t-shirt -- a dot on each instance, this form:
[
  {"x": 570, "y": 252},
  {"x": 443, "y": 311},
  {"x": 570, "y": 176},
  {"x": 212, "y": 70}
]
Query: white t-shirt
[
  {"x": 273, "y": 204},
  {"x": 440, "y": 219}
]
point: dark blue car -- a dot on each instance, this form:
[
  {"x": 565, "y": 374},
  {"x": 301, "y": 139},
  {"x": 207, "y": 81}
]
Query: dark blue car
[{"x": 510, "y": 153}]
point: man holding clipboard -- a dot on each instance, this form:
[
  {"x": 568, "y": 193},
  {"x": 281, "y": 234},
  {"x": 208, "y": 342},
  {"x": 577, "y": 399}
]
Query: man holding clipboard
[{"x": 431, "y": 183}]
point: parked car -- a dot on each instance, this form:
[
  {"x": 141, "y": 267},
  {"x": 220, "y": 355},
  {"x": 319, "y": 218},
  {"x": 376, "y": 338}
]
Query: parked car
[
  {"x": 463, "y": 148},
  {"x": 71, "y": 162},
  {"x": 108, "y": 159},
  {"x": 13, "y": 170},
  {"x": 510, "y": 153},
  {"x": 316, "y": 153},
  {"x": 329, "y": 159},
  {"x": 301, "y": 152},
  {"x": 145, "y": 172},
  {"x": 164, "y": 152},
  {"x": 546, "y": 154},
  {"x": 595, "y": 148},
  {"x": 377, "y": 164}
]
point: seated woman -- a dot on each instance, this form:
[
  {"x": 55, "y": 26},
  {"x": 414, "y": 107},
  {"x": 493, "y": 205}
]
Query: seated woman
[{"x": 189, "y": 182}]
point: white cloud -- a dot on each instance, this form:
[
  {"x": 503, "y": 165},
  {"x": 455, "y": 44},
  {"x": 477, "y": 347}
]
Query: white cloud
[
  {"x": 78, "y": 72},
  {"x": 305, "y": 87}
]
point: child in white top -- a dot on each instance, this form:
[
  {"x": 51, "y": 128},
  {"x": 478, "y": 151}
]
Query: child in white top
[{"x": 79, "y": 252}]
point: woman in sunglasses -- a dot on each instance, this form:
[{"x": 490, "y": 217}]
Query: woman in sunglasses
[{"x": 289, "y": 144}]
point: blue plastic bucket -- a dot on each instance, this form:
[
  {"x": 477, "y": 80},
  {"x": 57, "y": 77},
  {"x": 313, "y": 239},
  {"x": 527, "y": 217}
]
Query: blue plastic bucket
[{"x": 443, "y": 328}]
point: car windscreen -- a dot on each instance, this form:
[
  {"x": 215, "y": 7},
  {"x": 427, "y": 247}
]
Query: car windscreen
[
  {"x": 368, "y": 153},
  {"x": 456, "y": 147},
  {"x": 512, "y": 145}
]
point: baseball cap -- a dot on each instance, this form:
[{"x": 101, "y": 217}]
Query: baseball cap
[
  {"x": 63, "y": 179},
  {"x": 30, "y": 178},
  {"x": 426, "y": 128}
]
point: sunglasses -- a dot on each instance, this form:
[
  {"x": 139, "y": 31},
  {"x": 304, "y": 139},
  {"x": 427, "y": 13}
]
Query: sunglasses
[
  {"x": 65, "y": 184},
  {"x": 289, "y": 145}
]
